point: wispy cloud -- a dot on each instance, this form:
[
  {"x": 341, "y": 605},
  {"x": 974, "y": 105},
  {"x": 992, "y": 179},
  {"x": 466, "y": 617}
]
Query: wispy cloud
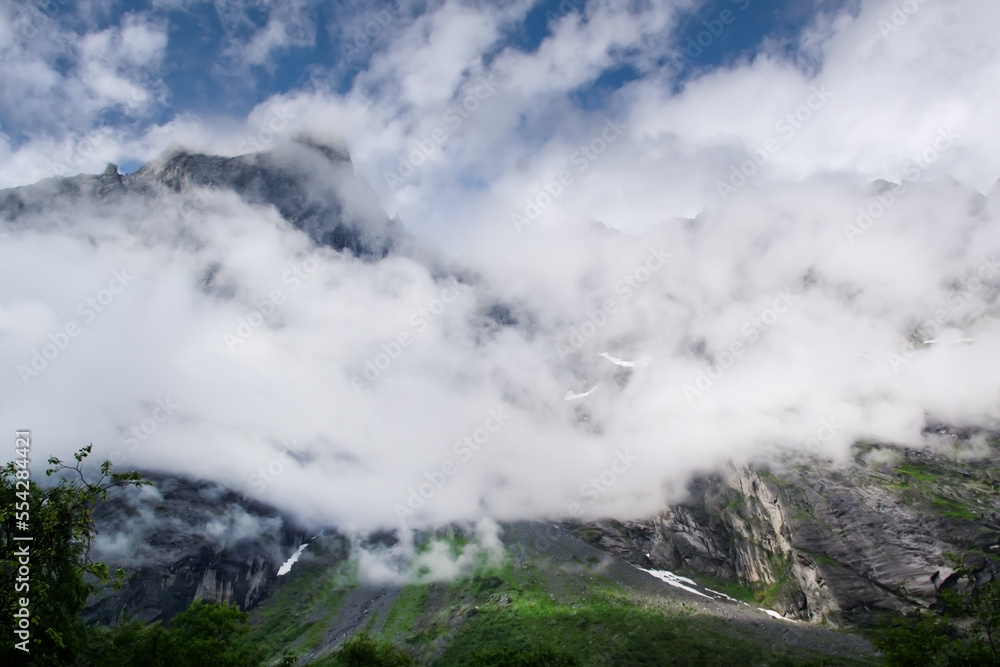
[{"x": 292, "y": 377}]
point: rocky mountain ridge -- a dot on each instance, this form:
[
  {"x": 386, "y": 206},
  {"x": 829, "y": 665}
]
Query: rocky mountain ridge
[
  {"x": 832, "y": 543},
  {"x": 829, "y": 543},
  {"x": 307, "y": 181},
  {"x": 182, "y": 540}
]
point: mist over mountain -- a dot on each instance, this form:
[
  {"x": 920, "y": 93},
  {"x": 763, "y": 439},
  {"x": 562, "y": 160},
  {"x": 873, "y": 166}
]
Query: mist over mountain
[
  {"x": 257, "y": 321},
  {"x": 438, "y": 307}
]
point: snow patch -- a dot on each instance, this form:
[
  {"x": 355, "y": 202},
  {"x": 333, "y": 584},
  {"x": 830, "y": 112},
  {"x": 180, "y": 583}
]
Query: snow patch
[
  {"x": 668, "y": 577},
  {"x": 287, "y": 565},
  {"x": 570, "y": 396},
  {"x": 641, "y": 363},
  {"x": 771, "y": 612}
]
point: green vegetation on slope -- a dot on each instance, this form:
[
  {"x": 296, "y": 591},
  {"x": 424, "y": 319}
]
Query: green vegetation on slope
[
  {"x": 45, "y": 579},
  {"x": 607, "y": 629},
  {"x": 60, "y": 575},
  {"x": 528, "y": 611},
  {"x": 410, "y": 605},
  {"x": 734, "y": 589},
  {"x": 966, "y": 634},
  {"x": 205, "y": 634},
  {"x": 944, "y": 485},
  {"x": 299, "y": 610},
  {"x": 363, "y": 651}
]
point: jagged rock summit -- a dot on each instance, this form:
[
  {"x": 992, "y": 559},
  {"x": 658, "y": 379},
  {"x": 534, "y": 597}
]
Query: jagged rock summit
[{"x": 310, "y": 183}]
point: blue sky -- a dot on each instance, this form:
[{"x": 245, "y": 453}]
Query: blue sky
[
  {"x": 740, "y": 141},
  {"x": 701, "y": 84},
  {"x": 202, "y": 75}
]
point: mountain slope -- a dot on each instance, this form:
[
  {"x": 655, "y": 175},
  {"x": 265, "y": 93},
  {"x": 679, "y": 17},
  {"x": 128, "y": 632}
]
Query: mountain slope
[
  {"x": 833, "y": 543},
  {"x": 830, "y": 544},
  {"x": 552, "y": 591}
]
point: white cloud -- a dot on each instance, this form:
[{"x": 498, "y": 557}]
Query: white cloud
[
  {"x": 886, "y": 103},
  {"x": 289, "y": 25},
  {"x": 854, "y": 287}
]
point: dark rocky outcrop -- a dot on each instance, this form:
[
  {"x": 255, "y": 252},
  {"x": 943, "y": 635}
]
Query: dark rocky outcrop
[
  {"x": 181, "y": 540},
  {"x": 831, "y": 543},
  {"x": 305, "y": 180},
  {"x": 838, "y": 544}
]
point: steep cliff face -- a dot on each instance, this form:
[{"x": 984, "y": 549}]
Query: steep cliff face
[
  {"x": 832, "y": 543},
  {"x": 182, "y": 540},
  {"x": 817, "y": 541},
  {"x": 838, "y": 544}
]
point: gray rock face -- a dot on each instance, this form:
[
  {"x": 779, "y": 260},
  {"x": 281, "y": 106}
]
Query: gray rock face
[
  {"x": 825, "y": 543},
  {"x": 829, "y": 543},
  {"x": 308, "y": 183},
  {"x": 185, "y": 540}
]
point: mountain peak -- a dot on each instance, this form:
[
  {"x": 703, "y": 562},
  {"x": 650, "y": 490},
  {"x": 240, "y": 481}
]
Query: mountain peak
[
  {"x": 309, "y": 180},
  {"x": 333, "y": 149}
]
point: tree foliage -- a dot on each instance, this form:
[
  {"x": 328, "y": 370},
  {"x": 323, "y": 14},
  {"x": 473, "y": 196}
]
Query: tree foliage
[
  {"x": 62, "y": 573},
  {"x": 538, "y": 657},
  {"x": 205, "y": 635},
  {"x": 966, "y": 634},
  {"x": 918, "y": 638},
  {"x": 363, "y": 651}
]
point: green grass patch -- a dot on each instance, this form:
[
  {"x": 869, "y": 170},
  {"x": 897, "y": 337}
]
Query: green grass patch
[
  {"x": 945, "y": 488},
  {"x": 406, "y": 611},
  {"x": 734, "y": 589},
  {"x": 363, "y": 651},
  {"x": 767, "y": 594},
  {"x": 771, "y": 477},
  {"x": 589, "y": 535},
  {"x": 952, "y": 509},
  {"x": 298, "y": 611},
  {"x": 614, "y": 631},
  {"x": 920, "y": 474},
  {"x": 547, "y": 614}
]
